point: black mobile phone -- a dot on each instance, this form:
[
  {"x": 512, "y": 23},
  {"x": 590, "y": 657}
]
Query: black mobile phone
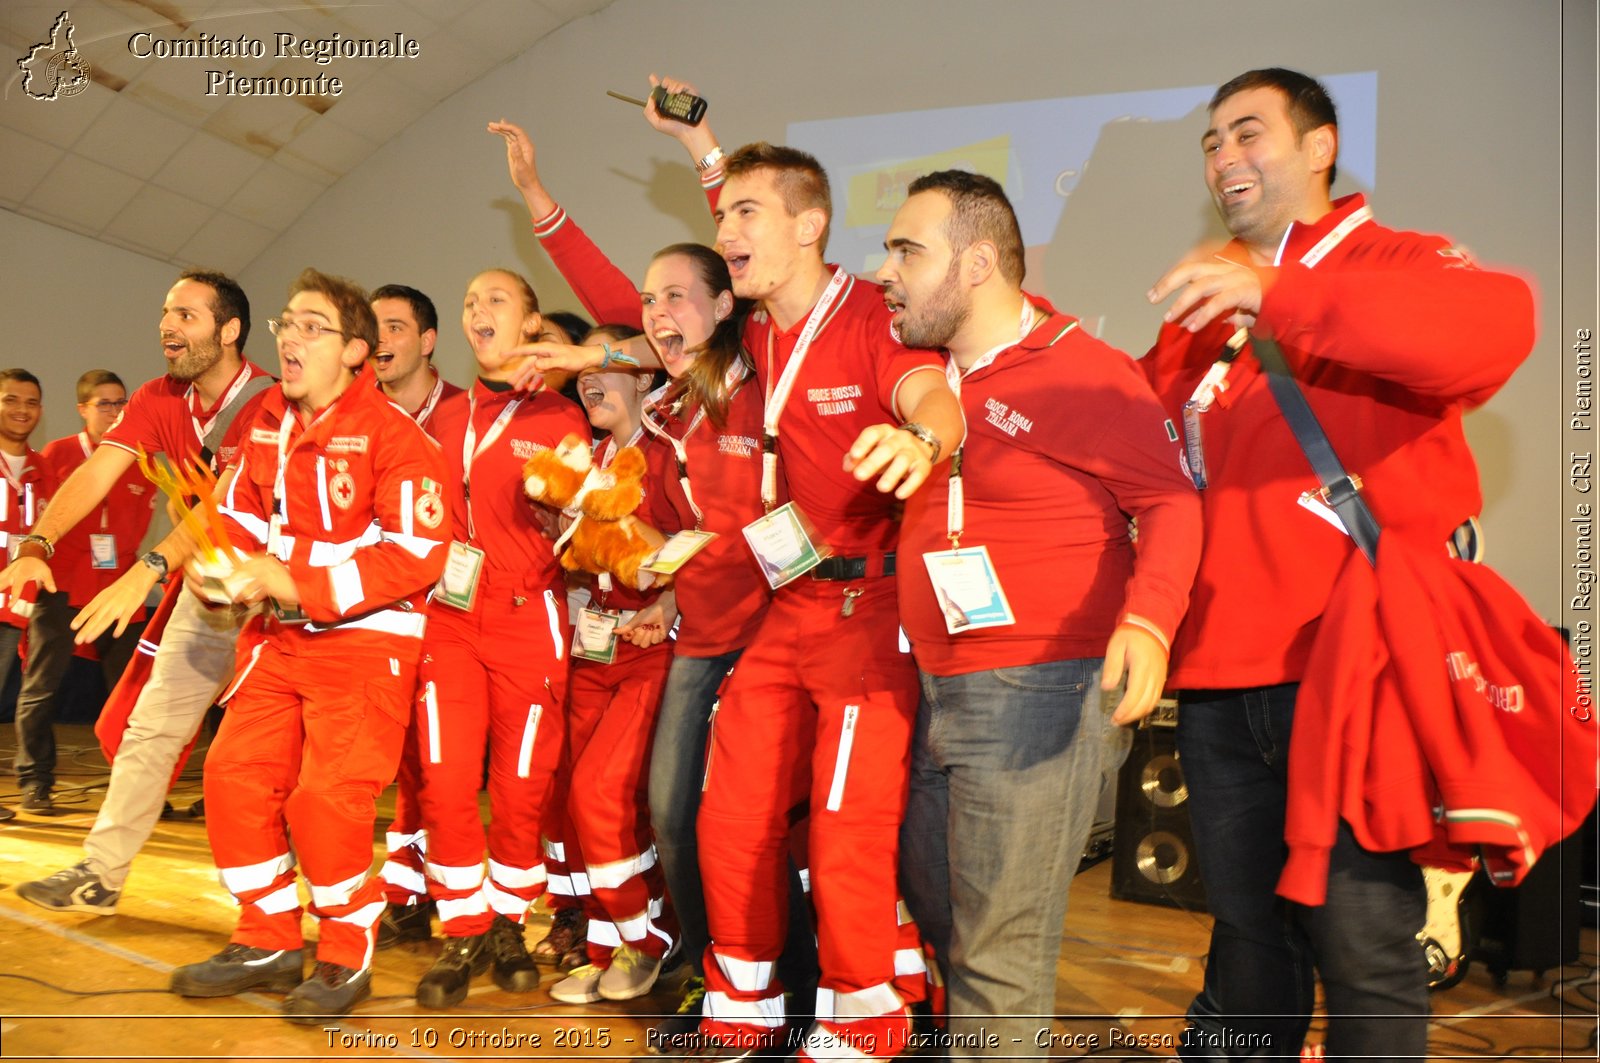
[{"x": 685, "y": 107}]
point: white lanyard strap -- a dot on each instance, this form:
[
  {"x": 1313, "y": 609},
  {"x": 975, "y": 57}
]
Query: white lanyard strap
[
  {"x": 471, "y": 448},
  {"x": 1217, "y": 375},
  {"x": 682, "y": 453},
  {"x": 422, "y": 415},
  {"x": 201, "y": 430},
  {"x": 280, "y": 491},
  {"x": 955, "y": 506},
  {"x": 778, "y": 396},
  {"x": 24, "y": 493}
]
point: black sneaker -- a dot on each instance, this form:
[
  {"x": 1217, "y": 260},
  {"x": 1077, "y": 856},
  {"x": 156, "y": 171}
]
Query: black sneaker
[
  {"x": 568, "y": 930},
  {"x": 514, "y": 969},
  {"x": 675, "y": 1035},
  {"x": 76, "y": 889},
  {"x": 445, "y": 984},
  {"x": 330, "y": 992},
  {"x": 238, "y": 968},
  {"x": 405, "y": 922},
  {"x": 37, "y": 801}
]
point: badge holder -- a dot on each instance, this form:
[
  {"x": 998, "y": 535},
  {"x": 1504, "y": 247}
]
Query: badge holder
[
  {"x": 595, "y": 636},
  {"x": 968, "y": 589},
  {"x": 676, "y": 552},
  {"x": 102, "y": 550},
  {"x": 785, "y": 545},
  {"x": 458, "y": 586}
]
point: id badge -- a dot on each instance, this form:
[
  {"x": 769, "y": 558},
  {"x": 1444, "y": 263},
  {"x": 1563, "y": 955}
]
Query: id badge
[
  {"x": 968, "y": 590},
  {"x": 1193, "y": 450},
  {"x": 458, "y": 587},
  {"x": 595, "y": 636},
  {"x": 676, "y": 552},
  {"x": 782, "y": 545},
  {"x": 102, "y": 550}
]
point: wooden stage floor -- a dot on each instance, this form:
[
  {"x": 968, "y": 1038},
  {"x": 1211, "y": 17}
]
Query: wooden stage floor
[{"x": 84, "y": 987}]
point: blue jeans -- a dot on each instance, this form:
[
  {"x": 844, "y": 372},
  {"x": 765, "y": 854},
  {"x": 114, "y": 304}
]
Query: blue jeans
[
  {"x": 677, "y": 770},
  {"x": 1257, "y": 998},
  {"x": 1005, "y": 775}
]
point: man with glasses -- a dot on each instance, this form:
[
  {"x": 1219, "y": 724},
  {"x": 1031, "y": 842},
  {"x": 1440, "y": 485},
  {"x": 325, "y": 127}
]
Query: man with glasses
[
  {"x": 194, "y": 412},
  {"x": 87, "y": 560}
]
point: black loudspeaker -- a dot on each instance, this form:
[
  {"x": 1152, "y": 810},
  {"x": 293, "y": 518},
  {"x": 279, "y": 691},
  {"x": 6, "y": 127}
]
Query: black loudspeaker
[
  {"x": 1533, "y": 926},
  {"x": 1153, "y": 857}
]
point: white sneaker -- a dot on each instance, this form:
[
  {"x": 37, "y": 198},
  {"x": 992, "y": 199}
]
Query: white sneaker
[
  {"x": 580, "y": 987},
  {"x": 630, "y": 975}
]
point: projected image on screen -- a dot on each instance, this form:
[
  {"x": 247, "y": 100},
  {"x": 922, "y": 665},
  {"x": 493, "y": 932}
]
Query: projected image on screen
[{"x": 1108, "y": 189}]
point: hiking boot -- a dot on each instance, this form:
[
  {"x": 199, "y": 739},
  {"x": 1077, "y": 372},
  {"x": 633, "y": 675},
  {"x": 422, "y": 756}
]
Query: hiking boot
[
  {"x": 580, "y": 987},
  {"x": 445, "y": 984},
  {"x": 514, "y": 969},
  {"x": 630, "y": 975},
  {"x": 76, "y": 889},
  {"x": 238, "y": 968},
  {"x": 675, "y": 1035},
  {"x": 405, "y": 922},
  {"x": 330, "y": 992},
  {"x": 37, "y": 801},
  {"x": 568, "y": 931}
]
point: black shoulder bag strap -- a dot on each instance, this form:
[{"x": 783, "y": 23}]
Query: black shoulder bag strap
[
  {"x": 225, "y": 416},
  {"x": 1339, "y": 489}
]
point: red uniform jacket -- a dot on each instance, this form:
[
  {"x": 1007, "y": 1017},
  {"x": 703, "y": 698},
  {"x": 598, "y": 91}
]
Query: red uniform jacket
[
  {"x": 124, "y": 515},
  {"x": 21, "y": 502},
  {"x": 365, "y": 518}
]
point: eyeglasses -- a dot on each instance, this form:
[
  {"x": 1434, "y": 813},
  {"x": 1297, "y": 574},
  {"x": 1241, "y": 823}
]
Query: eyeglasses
[
  {"x": 108, "y": 405},
  {"x": 310, "y": 331}
]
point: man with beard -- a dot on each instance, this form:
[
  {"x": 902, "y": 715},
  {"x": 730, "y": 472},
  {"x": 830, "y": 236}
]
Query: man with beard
[
  {"x": 1065, "y": 441},
  {"x": 192, "y": 413}
]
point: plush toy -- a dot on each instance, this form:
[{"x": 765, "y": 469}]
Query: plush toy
[{"x": 604, "y": 537}]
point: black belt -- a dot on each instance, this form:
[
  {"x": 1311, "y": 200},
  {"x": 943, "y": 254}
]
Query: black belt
[{"x": 852, "y": 568}]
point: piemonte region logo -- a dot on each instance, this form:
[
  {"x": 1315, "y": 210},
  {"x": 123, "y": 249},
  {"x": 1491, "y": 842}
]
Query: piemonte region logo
[{"x": 54, "y": 69}]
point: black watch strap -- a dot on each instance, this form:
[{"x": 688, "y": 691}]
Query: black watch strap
[{"x": 157, "y": 562}]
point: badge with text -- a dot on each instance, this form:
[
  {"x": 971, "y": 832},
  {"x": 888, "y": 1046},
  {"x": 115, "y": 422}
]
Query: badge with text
[
  {"x": 458, "y": 587},
  {"x": 676, "y": 551},
  {"x": 102, "y": 550},
  {"x": 968, "y": 590},
  {"x": 595, "y": 636},
  {"x": 782, "y": 544}
]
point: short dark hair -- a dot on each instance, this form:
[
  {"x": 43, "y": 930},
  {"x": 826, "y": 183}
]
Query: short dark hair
[
  {"x": 1310, "y": 106},
  {"x": 572, "y": 324},
  {"x": 801, "y": 180},
  {"x": 21, "y": 376},
  {"x": 979, "y": 210},
  {"x": 96, "y": 378},
  {"x": 355, "y": 309},
  {"x": 422, "y": 307},
  {"x": 228, "y": 303}
]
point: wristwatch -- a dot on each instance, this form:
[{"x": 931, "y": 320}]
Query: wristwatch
[
  {"x": 35, "y": 539},
  {"x": 157, "y": 563},
  {"x": 924, "y": 433}
]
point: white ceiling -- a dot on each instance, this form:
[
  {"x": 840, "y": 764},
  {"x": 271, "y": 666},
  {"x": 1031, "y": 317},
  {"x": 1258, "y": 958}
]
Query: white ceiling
[{"x": 145, "y": 160}]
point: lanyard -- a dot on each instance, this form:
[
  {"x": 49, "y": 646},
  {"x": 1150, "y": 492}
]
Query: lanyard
[
  {"x": 1216, "y": 377},
  {"x": 735, "y": 375},
  {"x": 422, "y": 415},
  {"x": 88, "y": 452},
  {"x": 471, "y": 448},
  {"x": 203, "y": 430},
  {"x": 610, "y": 453},
  {"x": 955, "y": 507},
  {"x": 778, "y": 397},
  {"x": 23, "y": 491}
]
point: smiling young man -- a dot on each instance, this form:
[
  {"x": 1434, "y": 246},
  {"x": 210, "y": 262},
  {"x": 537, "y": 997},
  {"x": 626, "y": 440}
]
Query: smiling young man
[
  {"x": 27, "y": 483},
  {"x": 1065, "y": 443},
  {"x": 336, "y": 511},
  {"x": 1392, "y": 336},
  {"x": 88, "y": 559},
  {"x": 193, "y": 412},
  {"x": 408, "y": 329}
]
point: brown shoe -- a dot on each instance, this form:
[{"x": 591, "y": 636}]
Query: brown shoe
[{"x": 569, "y": 930}]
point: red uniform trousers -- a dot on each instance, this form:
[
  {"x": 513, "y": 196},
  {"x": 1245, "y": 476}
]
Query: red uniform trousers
[
  {"x": 611, "y": 716},
  {"x": 311, "y": 737},
  {"x": 491, "y": 680},
  {"x": 819, "y": 707},
  {"x": 405, "y": 841}
]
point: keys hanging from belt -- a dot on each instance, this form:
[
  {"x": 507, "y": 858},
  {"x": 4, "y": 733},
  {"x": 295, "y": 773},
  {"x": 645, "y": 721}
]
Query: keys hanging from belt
[{"x": 850, "y": 596}]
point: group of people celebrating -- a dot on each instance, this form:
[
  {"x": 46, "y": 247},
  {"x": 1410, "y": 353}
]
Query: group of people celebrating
[{"x": 845, "y": 759}]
